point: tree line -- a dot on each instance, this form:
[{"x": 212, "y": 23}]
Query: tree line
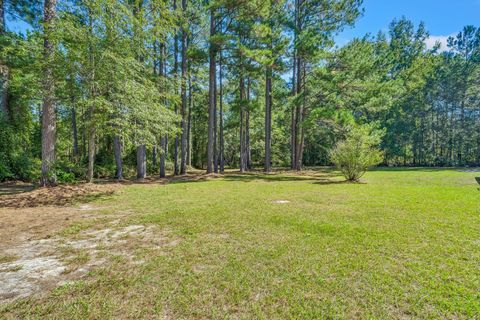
[{"x": 103, "y": 88}]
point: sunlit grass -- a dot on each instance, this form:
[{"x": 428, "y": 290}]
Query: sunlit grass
[{"x": 403, "y": 244}]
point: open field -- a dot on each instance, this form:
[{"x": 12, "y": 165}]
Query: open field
[{"x": 404, "y": 244}]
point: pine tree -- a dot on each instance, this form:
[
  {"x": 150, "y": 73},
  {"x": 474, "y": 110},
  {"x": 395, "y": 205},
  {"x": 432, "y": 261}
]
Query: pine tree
[{"x": 48, "y": 108}]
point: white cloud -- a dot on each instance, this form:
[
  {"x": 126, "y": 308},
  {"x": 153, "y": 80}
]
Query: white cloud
[{"x": 432, "y": 41}]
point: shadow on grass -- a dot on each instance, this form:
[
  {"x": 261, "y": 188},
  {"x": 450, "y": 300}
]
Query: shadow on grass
[
  {"x": 318, "y": 176},
  {"x": 417, "y": 169},
  {"x": 249, "y": 177},
  {"x": 10, "y": 188}
]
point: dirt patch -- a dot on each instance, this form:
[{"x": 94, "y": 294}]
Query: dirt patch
[
  {"x": 45, "y": 242},
  {"x": 19, "y": 225},
  {"x": 281, "y": 201},
  {"x": 57, "y": 196},
  {"x": 27, "y": 246},
  {"x": 44, "y": 264}
]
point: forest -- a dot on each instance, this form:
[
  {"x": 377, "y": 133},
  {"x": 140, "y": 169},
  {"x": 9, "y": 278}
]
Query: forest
[{"x": 115, "y": 89}]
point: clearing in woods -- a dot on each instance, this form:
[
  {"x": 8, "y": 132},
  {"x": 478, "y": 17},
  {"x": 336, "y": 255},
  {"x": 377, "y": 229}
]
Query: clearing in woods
[{"x": 404, "y": 244}]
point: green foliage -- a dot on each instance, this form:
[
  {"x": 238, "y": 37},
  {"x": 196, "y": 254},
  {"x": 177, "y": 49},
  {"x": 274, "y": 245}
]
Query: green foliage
[
  {"x": 116, "y": 74},
  {"x": 358, "y": 152}
]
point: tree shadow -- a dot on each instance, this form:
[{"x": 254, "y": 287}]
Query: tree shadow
[
  {"x": 249, "y": 177},
  {"x": 330, "y": 182},
  {"x": 11, "y": 188},
  {"x": 321, "y": 177},
  {"x": 417, "y": 169},
  {"x": 152, "y": 180}
]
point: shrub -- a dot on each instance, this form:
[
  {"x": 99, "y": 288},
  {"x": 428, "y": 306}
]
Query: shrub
[
  {"x": 68, "y": 172},
  {"x": 358, "y": 152}
]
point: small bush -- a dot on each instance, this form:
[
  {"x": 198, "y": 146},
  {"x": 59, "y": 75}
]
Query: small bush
[
  {"x": 68, "y": 172},
  {"x": 358, "y": 152}
]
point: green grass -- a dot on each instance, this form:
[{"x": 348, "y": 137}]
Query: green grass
[{"x": 405, "y": 244}]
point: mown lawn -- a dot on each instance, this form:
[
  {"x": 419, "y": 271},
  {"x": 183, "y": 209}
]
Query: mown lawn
[{"x": 404, "y": 244}]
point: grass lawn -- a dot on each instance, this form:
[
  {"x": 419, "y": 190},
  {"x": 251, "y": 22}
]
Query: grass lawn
[{"x": 404, "y": 244}]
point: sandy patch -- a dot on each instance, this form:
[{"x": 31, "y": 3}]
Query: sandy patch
[{"x": 41, "y": 265}]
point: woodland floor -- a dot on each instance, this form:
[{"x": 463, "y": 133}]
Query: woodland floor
[{"x": 403, "y": 244}]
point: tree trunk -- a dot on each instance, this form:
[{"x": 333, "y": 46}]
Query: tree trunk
[
  {"x": 293, "y": 124},
  {"x": 268, "y": 119},
  {"x": 154, "y": 156},
  {"x": 90, "y": 128},
  {"x": 293, "y": 134},
  {"x": 176, "y": 168},
  {"x": 247, "y": 131},
  {"x": 300, "y": 139},
  {"x": 298, "y": 116},
  {"x": 83, "y": 136},
  {"x": 141, "y": 162},
  {"x": 461, "y": 144},
  {"x": 117, "y": 146},
  {"x": 2, "y": 17},
  {"x": 302, "y": 143},
  {"x": 4, "y": 73},
  {"x": 243, "y": 154},
  {"x": 189, "y": 123},
  {"x": 297, "y": 139},
  {"x": 163, "y": 151},
  {"x": 48, "y": 108},
  {"x": 222, "y": 141},
  {"x": 163, "y": 139},
  {"x": 211, "y": 94},
  {"x": 215, "y": 132},
  {"x": 183, "y": 111},
  {"x": 91, "y": 154},
  {"x": 76, "y": 152}
]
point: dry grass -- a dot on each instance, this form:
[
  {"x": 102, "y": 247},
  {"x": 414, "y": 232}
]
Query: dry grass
[{"x": 57, "y": 196}]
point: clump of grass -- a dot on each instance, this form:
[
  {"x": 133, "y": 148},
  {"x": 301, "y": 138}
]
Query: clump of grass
[
  {"x": 73, "y": 258},
  {"x": 74, "y": 229},
  {"x": 6, "y": 258},
  {"x": 13, "y": 268}
]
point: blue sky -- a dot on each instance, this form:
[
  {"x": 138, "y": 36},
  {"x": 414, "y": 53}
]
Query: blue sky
[{"x": 442, "y": 17}]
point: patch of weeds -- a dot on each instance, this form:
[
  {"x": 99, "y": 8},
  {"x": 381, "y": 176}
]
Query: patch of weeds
[
  {"x": 118, "y": 259},
  {"x": 101, "y": 247},
  {"x": 7, "y": 258},
  {"x": 74, "y": 258},
  {"x": 68, "y": 287},
  {"x": 74, "y": 229},
  {"x": 79, "y": 259},
  {"x": 13, "y": 268}
]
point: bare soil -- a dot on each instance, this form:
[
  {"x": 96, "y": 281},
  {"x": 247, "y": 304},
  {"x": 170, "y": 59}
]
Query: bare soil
[
  {"x": 41, "y": 265},
  {"x": 24, "y": 196},
  {"x": 35, "y": 257}
]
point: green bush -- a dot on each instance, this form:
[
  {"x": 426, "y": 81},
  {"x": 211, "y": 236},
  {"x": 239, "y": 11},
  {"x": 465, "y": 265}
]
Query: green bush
[
  {"x": 67, "y": 171},
  {"x": 358, "y": 152},
  {"x": 16, "y": 160}
]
